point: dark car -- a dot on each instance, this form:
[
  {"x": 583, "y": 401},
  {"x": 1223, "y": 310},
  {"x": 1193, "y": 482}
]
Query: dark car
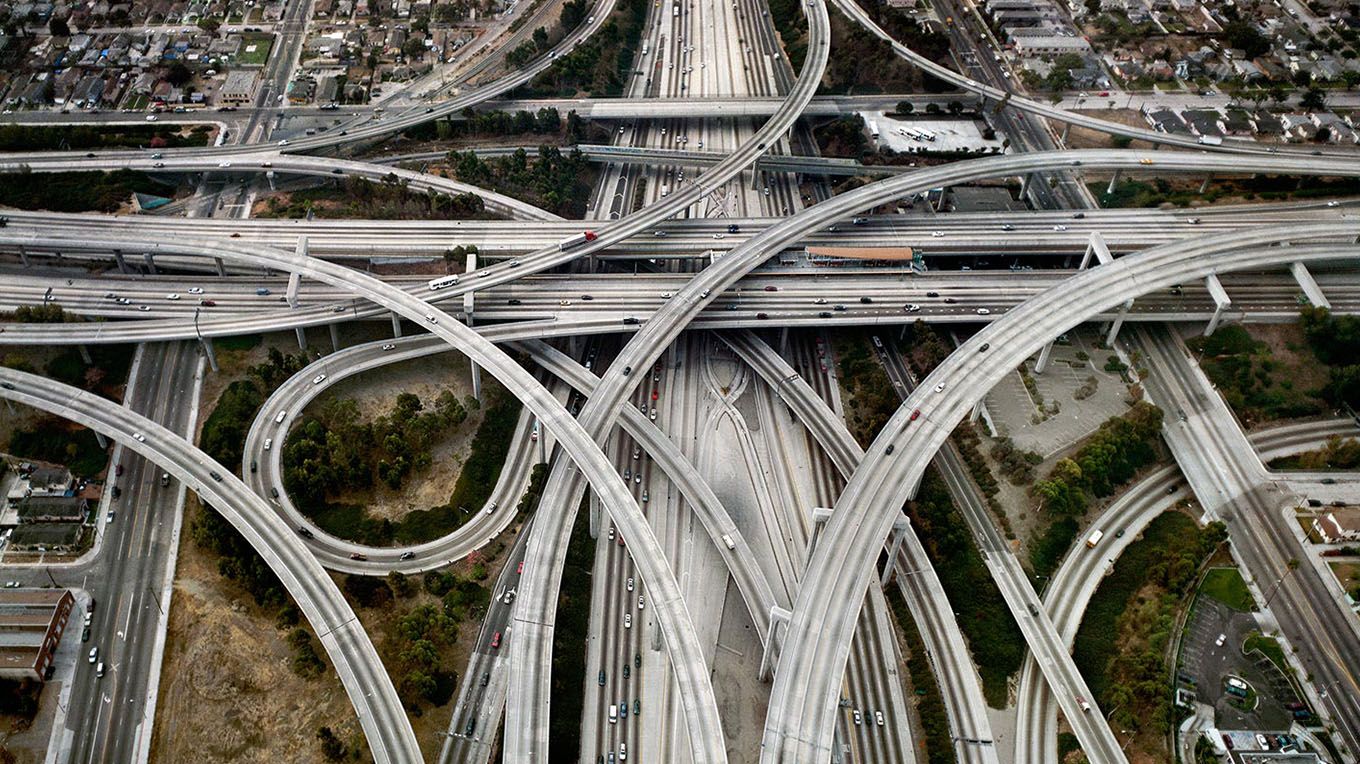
[{"x": 304, "y": 532}]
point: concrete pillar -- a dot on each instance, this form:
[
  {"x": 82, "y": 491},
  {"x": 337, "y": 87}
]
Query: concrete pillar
[
  {"x": 23, "y": 256},
  {"x": 270, "y": 177},
  {"x": 976, "y": 413},
  {"x": 100, "y": 439},
  {"x": 335, "y": 337},
  {"x": 900, "y": 526},
  {"x": 477, "y": 381},
  {"x": 301, "y": 337},
  {"x": 784, "y": 340},
  {"x": 208, "y": 351},
  {"x": 85, "y": 355},
  {"x": 221, "y": 267},
  {"x": 596, "y": 515},
  {"x": 1095, "y": 245},
  {"x": 820, "y": 517},
  {"x": 573, "y": 346},
  {"x": 118, "y": 258},
  {"x": 1024, "y": 186},
  {"x": 1114, "y": 181},
  {"x": 1067, "y": 128},
  {"x": 1205, "y": 185},
  {"x": 675, "y": 354},
  {"x": 1042, "y": 364},
  {"x": 1310, "y": 287},
  {"x": 1221, "y": 302},
  {"x": 396, "y": 325},
  {"x": 779, "y": 622},
  {"x": 150, "y": 263},
  {"x": 1118, "y": 323},
  {"x": 469, "y": 297}
]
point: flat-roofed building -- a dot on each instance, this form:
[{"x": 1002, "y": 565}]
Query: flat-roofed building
[{"x": 31, "y": 624}]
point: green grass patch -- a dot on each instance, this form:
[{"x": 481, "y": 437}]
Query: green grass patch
[
  {"x": 257, "y": 57},
  {"x": 1269, "y": 647},
  {"x": 1226, "y": 586},
  {"x": 1254, "y": 382},
  {"x": 930, "y": 706},
  {"x": 569, "y": 639}
]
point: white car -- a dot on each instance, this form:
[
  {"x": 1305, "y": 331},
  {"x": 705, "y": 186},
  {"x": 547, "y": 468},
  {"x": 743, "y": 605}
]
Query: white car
[
  {"x": 195, "y": 290},
  {"x": 172, "y": 296},
  {"x": 268, "y": 443},
  {"x": 1333, "y": 203},
  {"x": 667, "y": 295},
  {"x": 151, "y": 118},
  {"x": 611, "y": 533},
  {"x": 983, "y": 312},
  {"x": 144, "y": 308},
  {"x": 388, "y": 346},
  {"x": 911, "y": 307},
  {"x": 939, "y": 388},
  {"x": 224, "y": 164},
  {"x": 859, "y": 718},
  {"x": 630, "y": 578},
  {"x": 1060, "y": 227},
  {"x": 318, "y": 379},
  {"x": 937, "y": 234},
  {"x": 642, "y": 603},
  {"x": 878, "y": 717},
  {"x": 627, "y": 620},
  {"x": 140, "y": 437},
  {"x": 94, "y": 654}
]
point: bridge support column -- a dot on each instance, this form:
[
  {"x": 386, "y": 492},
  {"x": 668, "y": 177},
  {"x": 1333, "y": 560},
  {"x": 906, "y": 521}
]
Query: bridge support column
[
  {"x": 1024, "y": 186},
  {"x": 23, "y": 256},
  {"x": 1118, "y": 323},
  {"x": 295, "y": 278},
  {"x": 85, "y": 354},
  {"x": 595, "y": 514},
  {"x": 900, "y": 526},
  {"x": 221, "y": 267},
  {"x": 976, "y": 413},
  {"x": 1221, "y": 302},
  {"x": 476, "y": 370},
  {"x": 769, "y": 654},
  {"x": 396, "y": 325},
  {"x": 573, "y": 346},
  {"x": 820, "y": 517},
  {"x": 1114, "y": 182},
  {"x": 122, "y": 264},
  {"x": 150, "y": 263},
  {"x": 207, "y": 346},
  {"x": 784, "y": 340},
  {"x": 1067, "y": 128},
  {"x": 335, "y": 337},
  {"x": 1095, "y": 245},
  {"x": 1310, "y": 287},
  {"x": 1042, "y": 364},
  {"x": 1205, "y": 185},
  {"x": 301, "y": 337},
  {"x": 100, "y": 439}
]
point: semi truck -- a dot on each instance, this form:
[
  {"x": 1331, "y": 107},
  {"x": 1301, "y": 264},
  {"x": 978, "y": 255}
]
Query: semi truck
[{"x": 576, "y": 240}]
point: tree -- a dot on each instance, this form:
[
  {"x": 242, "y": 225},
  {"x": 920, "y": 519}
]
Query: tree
[
  {"x": 905, "y": 107},
  {"x": 58, "y": 27},
  {"x": 178, "y": 74},
  {"x": 331, "y": 747},
  {"x": 1351, "y": 78},
  {"x": 209, "y": 25},
  {"x": 1313, "y": 100}
]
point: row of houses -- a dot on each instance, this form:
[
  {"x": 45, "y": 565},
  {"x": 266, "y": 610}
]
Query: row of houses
[
  {"x": 1299, "y": 127},
  {"x": 45, "y": 507}
]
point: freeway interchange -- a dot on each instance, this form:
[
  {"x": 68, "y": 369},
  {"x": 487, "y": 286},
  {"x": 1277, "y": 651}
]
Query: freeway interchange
[{"x": 818, "y": 621}]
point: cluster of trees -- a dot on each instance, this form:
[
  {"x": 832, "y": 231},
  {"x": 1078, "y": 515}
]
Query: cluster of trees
[
  {"x": 52, "y": 439},
  {"x": 1250, "y": 377},
  {"x": 930, "y": 706},
  {"x": 875, "y": 399},
  {"x": 843, "y": 137},
  {"x": 568, "y": 659},
  {"x": 1335, "y": 341},
  {"x": 1338, "y": 454},
  {"x": 306, "y": 662},
  {"x": 106, "y": 374},
  {"x": 788, "y": 22},
  {"x": 335, "y": 451},
  {"x": 223, "y": 434},
  {"x": 77, "y": 191},
  {"x": 476, "y": 124},
  {"x": 332, "y": 747},
  {"x": 1111, "y": 455},
  {"x": 555, "y": 181},
  {"x": 47, "y": 313},
  {"x": 1121, "y": 644},
  {"x": 390, "y": 199},
  {"x": 599, "y": 66},
  {"x": 72, "y": 137},
  {"x": 993, "y": 636},
  {"x": 863, "y": 62},
  {"x": 423, "y": 665},
  {"x": 1016, "y": 464}
]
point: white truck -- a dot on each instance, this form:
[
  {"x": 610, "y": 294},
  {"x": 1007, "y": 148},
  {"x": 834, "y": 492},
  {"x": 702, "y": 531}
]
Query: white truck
[
  {"x": 726, "y": 539},
  {"x": 1094, "y": 538},
  {"x": 576, "y": 240}
]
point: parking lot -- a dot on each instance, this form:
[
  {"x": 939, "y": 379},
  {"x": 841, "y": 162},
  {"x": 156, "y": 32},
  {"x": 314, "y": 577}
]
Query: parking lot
[{"x": 1210, "y": 665}]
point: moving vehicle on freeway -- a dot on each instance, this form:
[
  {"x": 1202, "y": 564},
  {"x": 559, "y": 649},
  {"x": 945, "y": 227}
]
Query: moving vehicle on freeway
[{"x": 576, "y": 240}]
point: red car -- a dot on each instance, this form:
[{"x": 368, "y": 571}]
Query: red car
[
  {"x": 656, "y": 394},
  {"x": 915, "y": 415},
  {"x": 496, "y": 640},
  {"x": 1104, "y": 93},
  {"x": 520, "y": 569}
]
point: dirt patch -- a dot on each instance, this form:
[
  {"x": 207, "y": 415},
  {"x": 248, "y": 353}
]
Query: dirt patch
[
  {"x": 227, "y": 693},
  {"x": 1083, "y": 138},
  {"x": 426, "y": 378},
  {"x": 1290, "y": 350}
]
